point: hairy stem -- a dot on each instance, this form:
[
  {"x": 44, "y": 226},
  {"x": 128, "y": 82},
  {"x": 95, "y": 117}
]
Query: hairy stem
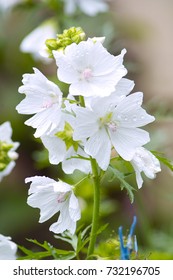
[{"x": 95, "y": 218}]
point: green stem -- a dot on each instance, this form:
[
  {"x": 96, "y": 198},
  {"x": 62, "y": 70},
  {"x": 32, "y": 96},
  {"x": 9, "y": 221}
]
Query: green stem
[{"x": 95, "y": 218}]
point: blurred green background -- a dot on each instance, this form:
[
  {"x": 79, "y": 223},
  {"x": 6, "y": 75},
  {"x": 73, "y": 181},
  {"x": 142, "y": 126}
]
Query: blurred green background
[{"x": 145, "y": 30}]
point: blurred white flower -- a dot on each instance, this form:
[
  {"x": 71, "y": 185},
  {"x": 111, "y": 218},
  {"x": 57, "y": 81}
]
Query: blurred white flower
[
  {"x": 7, "y": 4},
  {"x": 89, "y": 7},
  {"x": 7, "y": 150},
  {"x": 44, "y": 99},
  {"x": 34, "y": 43},
  {"x": 106, "y": 124},
  {"x": 89, "y": 68},
  {"x": 145, "y": 161},
  {"x": 8, "y": 248},
  {"x": 52, "y": 197}
]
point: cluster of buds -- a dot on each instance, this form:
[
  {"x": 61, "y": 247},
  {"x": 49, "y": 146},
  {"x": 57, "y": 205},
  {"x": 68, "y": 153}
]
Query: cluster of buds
[{"x": 69, "y": 36}]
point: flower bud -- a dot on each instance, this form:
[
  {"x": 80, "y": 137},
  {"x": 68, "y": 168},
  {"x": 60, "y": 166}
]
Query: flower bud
[
  {"x": 5, "y": 158},
  {"x": 69, "y": 36}
]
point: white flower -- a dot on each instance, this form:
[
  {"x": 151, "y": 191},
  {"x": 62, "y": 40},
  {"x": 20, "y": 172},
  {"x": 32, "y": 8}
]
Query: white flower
[
  {"x": 7, "y": 4},
  {"x": 7, "y": 150},
  {"x": 145, "y": 161},
  {"x": 8, "y": 248},
  {"x": 52, "y": 197},
  {"x": 105, "y": 125},
  {"x": 89, "y": 69},
  {"x": 34, "y": 42},
  {"x": 44, "y": 99},
  {"x": 89, "y": 7}
]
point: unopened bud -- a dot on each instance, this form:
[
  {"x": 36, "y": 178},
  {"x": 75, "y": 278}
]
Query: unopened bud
[
  {"x": 5, "y": 159},
  {"x": 69, "y": 36}
]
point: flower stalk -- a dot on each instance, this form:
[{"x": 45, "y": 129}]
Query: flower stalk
[{"x": 96, "y": 207}]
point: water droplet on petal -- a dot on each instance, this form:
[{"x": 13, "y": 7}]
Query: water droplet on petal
[
  {"x": 119, "y": 117},
  {"x": 134, "y": 118},
  {"x": 138, "y": 103}
]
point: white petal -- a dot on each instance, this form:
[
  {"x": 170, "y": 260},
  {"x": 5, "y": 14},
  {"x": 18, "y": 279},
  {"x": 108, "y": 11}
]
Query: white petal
[
  {"x": 5, "y": 132},
  {"x": 92, "y": 8},
  {"x": 46, "y": 121},
  {"x": 30, "y": 105},
  {"x": 46, "y": 201},
  {"x": 8, "y": 248},
  {"x": 64, "y": 222},
  {"x": 99, "y": 147},
  {"x": 130, "y": 114},
  {"x": 66, "y": 72},
  {"x": 70, "y": 164},
  {"x": 86, "y": 123},
  {"x": 38, "y": 181},
  {"x": 74, "y": 209},
  {"x": 56, "y": 148},
  {"x": 126, "y": 140},
  {"x": 139, "y": 179}
]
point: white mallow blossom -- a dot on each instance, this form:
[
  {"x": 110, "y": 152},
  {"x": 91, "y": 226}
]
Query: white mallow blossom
[
  {"x": 145, "y": 161},
  {"x": 106, "y": 124},
  {"x": 9, "y": 157},
  {"x": 8, "y": 248},
  {"x": 52, "y": 197},
  {"x": 34, "y": 42},
  {"x": 44, "y": 99},
  {"x": 89, "y": 68},
  {"x": 89, "y": 7}
]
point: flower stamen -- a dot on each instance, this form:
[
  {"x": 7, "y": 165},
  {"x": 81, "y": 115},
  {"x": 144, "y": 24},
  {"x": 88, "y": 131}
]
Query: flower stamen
[{"x": 86, "y": 74}]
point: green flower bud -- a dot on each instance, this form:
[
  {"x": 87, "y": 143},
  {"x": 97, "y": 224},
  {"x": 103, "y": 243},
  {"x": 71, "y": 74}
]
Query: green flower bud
[
  {"x": 69, "y": 36},
  {"x": 5, "y": 158},
  {"x": 51, "y": 45}
]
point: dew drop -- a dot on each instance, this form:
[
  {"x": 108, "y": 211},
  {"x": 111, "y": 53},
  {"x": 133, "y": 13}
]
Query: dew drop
[
  {"x": 138, "y": 103},
  {"x": 119, "y": 117},
  {"x": 134, "y": 118}
]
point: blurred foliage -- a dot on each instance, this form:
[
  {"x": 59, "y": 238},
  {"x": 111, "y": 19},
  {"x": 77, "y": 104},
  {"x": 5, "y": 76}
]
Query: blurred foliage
[{"x": 152, "y": 204}]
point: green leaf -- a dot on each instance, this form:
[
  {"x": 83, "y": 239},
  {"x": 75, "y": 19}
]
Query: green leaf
[
  {"x": 123, "y": 183},
  {"x": 69, "y": 238},
  {"x": 49, "y": 251},
  {"x": 102, "y": 228},
  {"x": 30, "y": 255}
]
